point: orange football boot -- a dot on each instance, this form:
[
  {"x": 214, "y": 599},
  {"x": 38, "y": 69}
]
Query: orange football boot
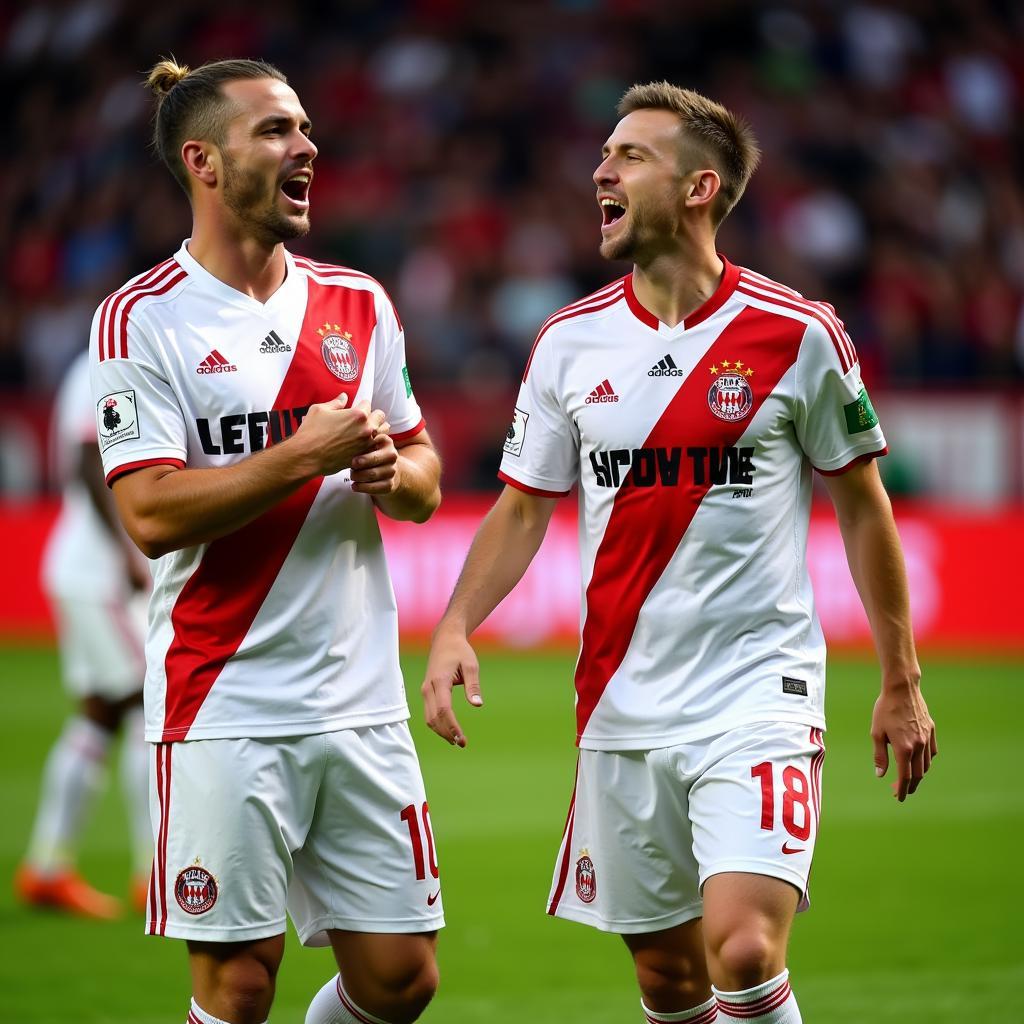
[{"x": 65, "y": 890}]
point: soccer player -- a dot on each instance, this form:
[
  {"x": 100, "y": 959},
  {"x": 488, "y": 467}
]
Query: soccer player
[
  {"x": 96, "y": 582},
  {"x": 254, "y": 411},
  {"x": 690, "y": 402}
]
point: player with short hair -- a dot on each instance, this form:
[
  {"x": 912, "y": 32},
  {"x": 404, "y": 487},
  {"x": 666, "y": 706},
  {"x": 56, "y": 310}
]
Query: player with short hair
[
  {"x": 96, "y": 582},
  {"x": 690, "y": 402},
  {"x": 254, "y": 411}
]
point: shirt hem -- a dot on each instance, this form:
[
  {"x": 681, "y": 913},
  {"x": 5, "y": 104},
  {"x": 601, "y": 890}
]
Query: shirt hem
[
  {"x": 274, "y": 730},
  {"x": 703, "y": 731}
]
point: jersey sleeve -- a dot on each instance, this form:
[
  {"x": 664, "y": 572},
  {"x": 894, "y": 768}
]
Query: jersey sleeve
[
  {"x": 835, "y": 422},
  {"x": 541, "y": 453},
  {"x": 392, "y": 388},
  {"x": 138, "y": 419}
]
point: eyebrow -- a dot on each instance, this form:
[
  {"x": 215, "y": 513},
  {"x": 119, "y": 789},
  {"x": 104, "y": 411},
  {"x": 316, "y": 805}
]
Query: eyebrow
[
  {"x": 639, "y": 147},
  {"x": 281, "y": 119}
]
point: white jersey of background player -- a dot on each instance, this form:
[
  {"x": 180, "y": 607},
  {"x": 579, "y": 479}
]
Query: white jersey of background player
[
  {"x": 689, "y": 402},
  {"x": 96, "y": 582},
  {"x": 254, "y": 412}
]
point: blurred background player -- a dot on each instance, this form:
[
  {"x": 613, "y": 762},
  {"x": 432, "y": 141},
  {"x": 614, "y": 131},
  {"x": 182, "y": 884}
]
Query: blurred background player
[
  {"x": 690, "y": 401},
  {"x": 97, "y": 583},
  {"x": 254, "y": 413}
]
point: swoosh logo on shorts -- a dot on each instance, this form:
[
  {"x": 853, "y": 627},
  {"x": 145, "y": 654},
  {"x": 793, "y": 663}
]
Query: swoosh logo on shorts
[
  {"x": 795, "y": 849},
  {"x": 431, "y": 900}
]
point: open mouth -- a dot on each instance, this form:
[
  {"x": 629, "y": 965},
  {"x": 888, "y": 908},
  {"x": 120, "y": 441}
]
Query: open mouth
[
  {"x": 296, "y": 188},
  {"x": 612, "y": 211}
]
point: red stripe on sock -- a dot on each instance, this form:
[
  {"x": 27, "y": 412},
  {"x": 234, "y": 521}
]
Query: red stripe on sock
[
  {"x": 745, "y": 1011},
  {"x": 350, "y": 1006}
]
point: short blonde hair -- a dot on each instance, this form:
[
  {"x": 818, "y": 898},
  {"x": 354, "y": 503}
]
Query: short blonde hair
[{"x": 721, "y": 138}]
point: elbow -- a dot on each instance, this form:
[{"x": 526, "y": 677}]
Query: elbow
[
  {"x": 429, "y": 507},
  {"x": 149, "y": 538}
]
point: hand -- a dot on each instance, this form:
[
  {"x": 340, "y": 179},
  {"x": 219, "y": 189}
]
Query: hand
[
  {"x": 331, "y": 435},
  {"x": 901, "y": 720},
  {"x": 452, "y": 663},
  {"x": 377, "y": 471}
]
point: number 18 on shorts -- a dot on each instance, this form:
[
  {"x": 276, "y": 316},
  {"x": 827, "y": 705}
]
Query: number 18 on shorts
[{"x": 646, "y": 829}]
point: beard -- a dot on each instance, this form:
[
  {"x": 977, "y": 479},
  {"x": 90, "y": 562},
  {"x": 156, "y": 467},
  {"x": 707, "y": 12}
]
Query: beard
[
  {"x": 254, "y": 202},
  {"x": 652, "y": 228}
]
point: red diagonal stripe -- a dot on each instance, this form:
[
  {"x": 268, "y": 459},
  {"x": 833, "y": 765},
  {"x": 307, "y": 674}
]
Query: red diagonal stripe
[
  {"x": 351, "y": 1007},
  {"x": 647, "y": 523},
  {"x": 764, "y": 1005},
  {"x": 218, "y": 604},
  {"x": 608, "y": 299}
]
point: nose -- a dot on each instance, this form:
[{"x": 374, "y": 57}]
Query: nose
[
  {"x": 306, "y": 150},
  {"x": 605, "y": 173}
]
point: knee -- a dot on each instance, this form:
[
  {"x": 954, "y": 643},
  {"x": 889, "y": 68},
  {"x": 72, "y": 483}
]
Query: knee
[
  {"x": 745, "y": 958},
  {"x": 246, "y": 985},
  {"x": 669, "y": 983},
  {"x": 406, "y": 988}
]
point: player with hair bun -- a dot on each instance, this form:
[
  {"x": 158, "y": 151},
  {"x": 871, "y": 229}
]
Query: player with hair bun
[{"x": 254, "y": 414}]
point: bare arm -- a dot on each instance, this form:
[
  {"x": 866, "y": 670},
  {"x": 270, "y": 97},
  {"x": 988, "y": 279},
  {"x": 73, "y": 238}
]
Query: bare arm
[
  {"x": 165, "y": 509},
  {"x": 403, "y": 479},
  {"x": 901, "y": 719},
  {"x": 500, "y": 554}
]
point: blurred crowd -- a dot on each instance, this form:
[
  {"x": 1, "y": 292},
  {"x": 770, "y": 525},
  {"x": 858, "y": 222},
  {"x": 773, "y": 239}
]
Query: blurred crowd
[{"x": 457, "y": 142}]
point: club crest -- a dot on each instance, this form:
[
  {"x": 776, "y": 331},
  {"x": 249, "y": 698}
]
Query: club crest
[
  {"x": 340, "y": 356},
  {"x": 730, "y": 396},
  {"x": 195, "y": 889},
  {"x": 586, "y": 878}
]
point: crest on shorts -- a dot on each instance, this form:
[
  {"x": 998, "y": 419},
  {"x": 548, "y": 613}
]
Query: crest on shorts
[
  {"x": 340, "y": 355},
  {"x": 730, "y": 397},
  {"x": 195, "y": 889},
  {"x": 586, "y": 878}
]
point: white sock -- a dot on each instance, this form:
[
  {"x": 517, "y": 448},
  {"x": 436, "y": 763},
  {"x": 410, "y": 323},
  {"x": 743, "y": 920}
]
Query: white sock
[
  {"x": 197, "y": 1015},
  {"x": 706, "y": 1013},
  {"x": 770, "y": 1003},
  {"x": 333, "y": 1005},
  {"x": 135, "y": 758},
  {"x": 72, "y": 777}
]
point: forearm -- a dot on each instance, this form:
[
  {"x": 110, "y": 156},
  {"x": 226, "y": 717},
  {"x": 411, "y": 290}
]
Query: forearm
[
  {"x": 172, "y": 509},
  {"x": 505, "y": 544},
  {"x": 419, "y": 493},
  {"x": 876, "y": 563}
]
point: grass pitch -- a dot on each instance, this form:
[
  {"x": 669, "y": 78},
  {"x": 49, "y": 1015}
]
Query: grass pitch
[{"x": 915, "y": 915}]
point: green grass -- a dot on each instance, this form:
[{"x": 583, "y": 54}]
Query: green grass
[{"x": 914, "y": 904}]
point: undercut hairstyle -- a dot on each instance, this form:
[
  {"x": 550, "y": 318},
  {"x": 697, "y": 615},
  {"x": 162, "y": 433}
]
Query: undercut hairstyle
[
  {"x": 190, "y": 104},
  {"x": 721, "y": 139}
]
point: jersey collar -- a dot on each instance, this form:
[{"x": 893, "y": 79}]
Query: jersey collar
[
  {"x": 226, "y": 293},
  {"x": 718, "y": 298}
]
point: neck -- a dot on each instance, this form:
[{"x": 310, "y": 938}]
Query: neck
[
  {"x": 674, "y": 286},
  {"x": 248, "y": 265}
]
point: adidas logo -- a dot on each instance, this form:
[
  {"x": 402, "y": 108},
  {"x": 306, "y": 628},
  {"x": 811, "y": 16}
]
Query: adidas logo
[
  {"x": 665, "y": 367},
  {"x": 216, "y": 363},
  {"x": 602, "y": 393},
  {"x": 272, "y": 343}
]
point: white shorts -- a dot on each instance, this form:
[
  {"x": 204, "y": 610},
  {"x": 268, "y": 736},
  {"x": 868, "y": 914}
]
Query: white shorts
[
  {"x": 646, "y": 829},
  {"x": 102, "y": 646},
  {"x": 333, "y": 827}
]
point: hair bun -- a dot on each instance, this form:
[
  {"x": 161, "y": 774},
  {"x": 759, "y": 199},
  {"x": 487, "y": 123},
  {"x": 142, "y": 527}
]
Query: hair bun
[{"x": 165, "y": 75}]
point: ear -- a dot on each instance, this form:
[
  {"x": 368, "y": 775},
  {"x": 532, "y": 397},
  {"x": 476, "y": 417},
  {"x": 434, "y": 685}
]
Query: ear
[
  {"x": 202, "y": 162},
  {"x": 702, "y": 187}
]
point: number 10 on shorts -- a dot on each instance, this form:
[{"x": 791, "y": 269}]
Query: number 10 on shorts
[
  {"x": 409, "y": 816},
  {"x": 796, "y": 799}
]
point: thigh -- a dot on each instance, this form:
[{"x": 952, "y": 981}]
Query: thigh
[
  {"x": 756, "y": 803},
  {"x": 102, "y": 647},
  {"x": 625, "y": 863},
  {"x": 369, "y": 862},
  {"x": 228, "y": 815}
]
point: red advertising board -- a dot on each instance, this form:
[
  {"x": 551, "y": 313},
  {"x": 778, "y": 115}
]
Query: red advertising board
[{"x": 964, "y": 568}]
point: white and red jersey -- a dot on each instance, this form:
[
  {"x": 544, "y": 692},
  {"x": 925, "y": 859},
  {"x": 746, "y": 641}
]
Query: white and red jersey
[
  {"x": 288, "y": 625},
  {"x": 693, "y": 448},
  {"x": 82, "y": 561}
]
